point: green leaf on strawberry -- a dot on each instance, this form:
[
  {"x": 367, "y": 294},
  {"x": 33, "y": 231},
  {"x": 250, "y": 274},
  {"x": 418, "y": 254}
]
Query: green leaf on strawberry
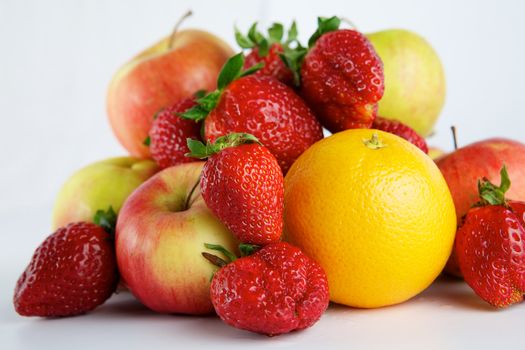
[
  {"x": 293, "y": 58},
  {"x": 219, "y": 248},
  {"x": 324, "y": 25},
  {"x": 247, "y": 249},
  {"x": 255, "y": 39},
  {"x": 491, "y": 194},
  {"x": 202, "y": 151},
  {"x": 232, "y": 70},
  {"x": 292, "y": 34},
  {"x": 106, "y": 219},
  {"x": 276, "y": 32}
]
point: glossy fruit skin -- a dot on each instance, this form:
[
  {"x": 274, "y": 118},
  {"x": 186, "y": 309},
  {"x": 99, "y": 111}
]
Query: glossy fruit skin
[
  {"x": 273, "y": 64},
  {"x": 98, "y": 186},
  {"x": 276, "y": 290},
  {"x": 464, "y": 167},
  {"x": 415, "y": 84},
  {"x": 72, "y": 272},
  {"x": 382, "y": 234},
  {"x": 490, "y": 250},
  {"x": 269, "y": 110},
  {"x": 156, "y": 78},
  {"x": 397, "y": 128},
  {"x": 244, "y": 187},
  {"x": 169, "y": 133},
  {"x": 518, "y": 208},
  {"x": 342, "y": 80},
  {"x": 159, "y": 240}
]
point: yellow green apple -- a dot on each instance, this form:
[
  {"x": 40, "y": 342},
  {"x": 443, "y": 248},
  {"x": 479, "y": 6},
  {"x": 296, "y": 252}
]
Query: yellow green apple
[
  {"x": 170, "y": 70},
  {"x": 98, "y": 186},
  {"x": 414, "y": 79},
  {"x": 435, "y": 153},
  {"x": 160, "y": 236}
]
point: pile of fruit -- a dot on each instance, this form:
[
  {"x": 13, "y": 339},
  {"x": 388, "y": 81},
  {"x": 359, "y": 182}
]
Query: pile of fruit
[{"x": 233, "y": 202}]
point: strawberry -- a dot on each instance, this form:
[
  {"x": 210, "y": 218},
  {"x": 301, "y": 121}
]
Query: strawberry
[
  {"x": 397, "y": 128},
  {"x": 341, "y": 76},
  {"x": 243, "y": 186},
  {"x": 490, "y": 245},
  {"x": 261, "y": 106},
  {"x": 268, "y": 50},
  {"x": 73, "y": 271},
  {"x": 276, "y": 290},
  {"x": 168, "y": 134}
]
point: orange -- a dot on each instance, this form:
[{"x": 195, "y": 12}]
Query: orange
[{"x": 374, "y": 211}]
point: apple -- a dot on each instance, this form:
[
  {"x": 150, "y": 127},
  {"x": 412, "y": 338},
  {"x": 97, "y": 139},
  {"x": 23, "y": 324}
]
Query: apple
[
  {"x": 463, "y": 167},
  {"x": 160, "y": 235},
  {"x": 172, "y": 69},
  {"x": 435, "y": 153},
  {"x": 414, "y": 79},
  {"x": 98, "y": 186}
]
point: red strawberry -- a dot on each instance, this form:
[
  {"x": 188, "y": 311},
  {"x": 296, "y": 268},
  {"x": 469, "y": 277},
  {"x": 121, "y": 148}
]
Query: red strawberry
[
  {"x": 519, "y": 209},
  {"x": 341, "y": 77},
  {"x": 276, "y": 290},
  {"x": 261, "y": 106},
  {"x": 273, "y": 64},
  {"x": 397, "y": 128},
  {"x": 268, "y": 51},
  {"x": 73, "y": 271},
  {"x": 243, "y": 186},
  {"x": 490, "y": 246},
  {"x": 169, "y": 132}
]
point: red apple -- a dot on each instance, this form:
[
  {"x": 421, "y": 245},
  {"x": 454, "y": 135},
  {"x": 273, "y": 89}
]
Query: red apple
[
  {"x": 463, "y": 167},
  {"x": 160, "y": 234},
  {"x": 172, "y": 69}
]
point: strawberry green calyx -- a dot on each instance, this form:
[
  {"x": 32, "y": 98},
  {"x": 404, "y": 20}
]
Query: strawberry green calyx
[
  {"x": 324, "y": 25},
  {"x": 255, "y": 39},
  {"x": 374, "y": 142},
  {"x": 245, "y": 249},
  {"x": 217, "y": 247},
  {"x": 200, "y": 94},
  {"x": 293, "y": 58},
  {"x": 293, "y": 52},
  {"x": 231, "y": 71},
  {"x": 202, "y": 151},
  {"x": 106, "y": 219},
  {"x": 248, "y": 249},
  {"x": 214, "y": 259},
  {"x": 491, "y": 194}
]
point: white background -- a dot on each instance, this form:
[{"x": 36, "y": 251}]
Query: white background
[{"x": 57, "y": 58}]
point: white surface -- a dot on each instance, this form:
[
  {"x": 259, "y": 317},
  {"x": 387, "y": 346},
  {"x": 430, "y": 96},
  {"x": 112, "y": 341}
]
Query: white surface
[
  {"x": 56, "y": 60},
  {"x": 446, "y": 316}
]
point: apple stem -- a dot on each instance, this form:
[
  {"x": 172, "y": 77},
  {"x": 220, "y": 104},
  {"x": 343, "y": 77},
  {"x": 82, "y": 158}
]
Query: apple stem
[
  {"x": 188, "y": 199},
  {"x": 176, "y": 28},
  {"x": 454, "y": 137}
]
